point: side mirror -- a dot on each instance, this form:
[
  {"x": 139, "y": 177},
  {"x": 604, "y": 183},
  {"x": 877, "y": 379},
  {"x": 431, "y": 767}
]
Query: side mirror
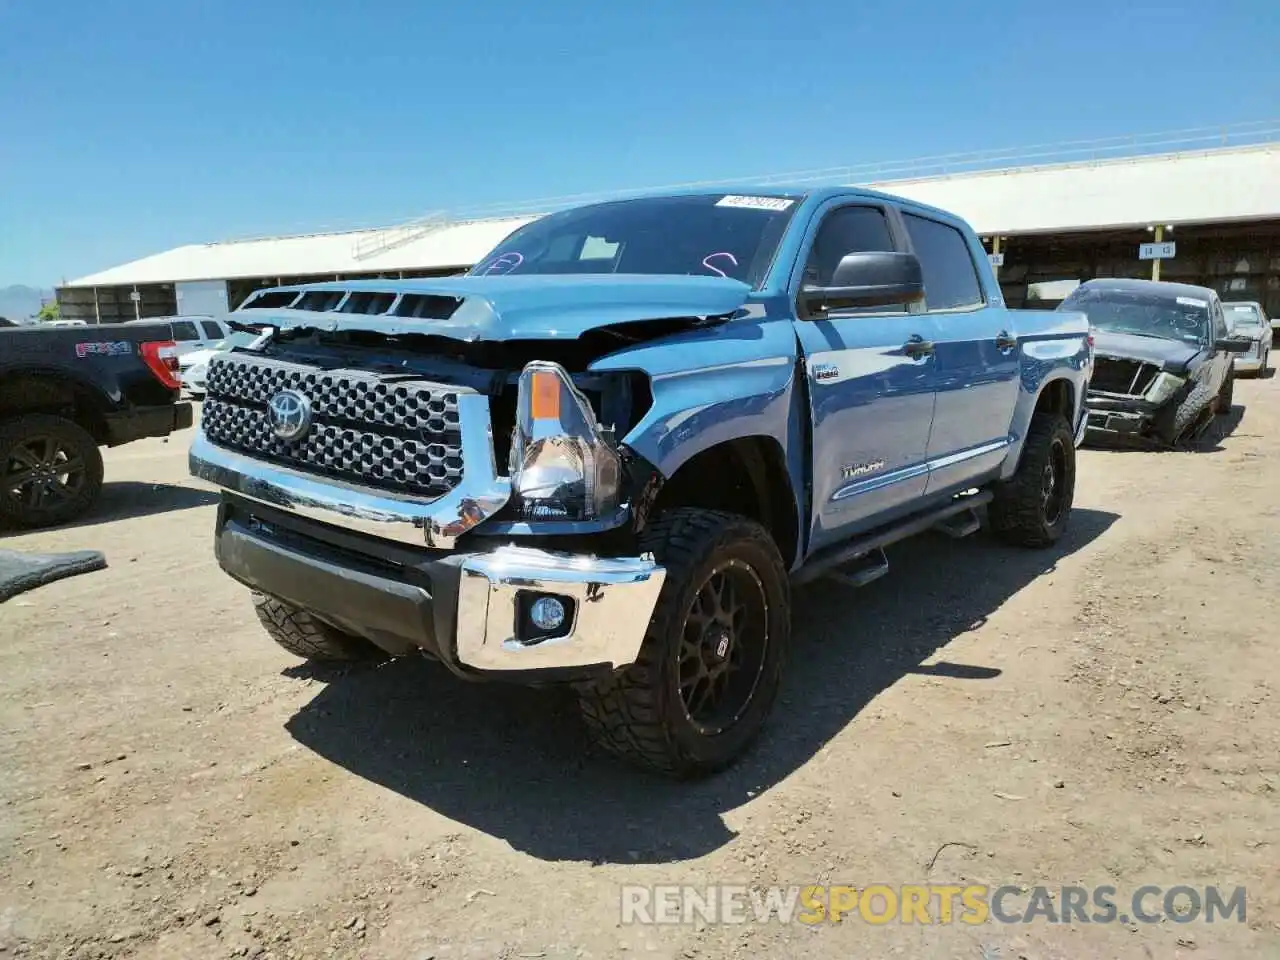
[
  {"x": 1233, "y": 345},
  {"x": 870, "y": 279}
]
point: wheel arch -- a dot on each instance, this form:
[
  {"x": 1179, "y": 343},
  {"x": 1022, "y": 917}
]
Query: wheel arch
[
  {"x": 34, "y": 390},
  {"x": 1056, "y": 394},
  {"x": 747, "y": 476}
]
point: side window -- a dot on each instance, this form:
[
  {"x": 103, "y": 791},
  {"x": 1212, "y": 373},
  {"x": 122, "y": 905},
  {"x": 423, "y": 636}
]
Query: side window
[
  {"x": 1220, "y": 330},
  {"x": 210, "y": 330},
  {"x": 950, "y": 278},
  {"x": 184, "y": 330},
  {"x": 845, "y": 230}
]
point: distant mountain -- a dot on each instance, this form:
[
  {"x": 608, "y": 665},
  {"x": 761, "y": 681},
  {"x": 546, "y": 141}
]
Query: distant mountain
[{"x": 20, "y": 303}]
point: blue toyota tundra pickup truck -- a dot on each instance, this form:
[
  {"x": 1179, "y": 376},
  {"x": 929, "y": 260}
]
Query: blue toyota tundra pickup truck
[{"x": 605, "y": 455}]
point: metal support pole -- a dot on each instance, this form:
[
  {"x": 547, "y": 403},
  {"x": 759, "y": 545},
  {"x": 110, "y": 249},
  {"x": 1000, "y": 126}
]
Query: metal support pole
[
  {"x": 1155, "y": 264},
  {"x": 995, "y": 249}
]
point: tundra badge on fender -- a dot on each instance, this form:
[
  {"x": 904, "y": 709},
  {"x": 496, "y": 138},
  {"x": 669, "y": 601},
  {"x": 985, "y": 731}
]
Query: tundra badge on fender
[{"x": 853, "y": 470}]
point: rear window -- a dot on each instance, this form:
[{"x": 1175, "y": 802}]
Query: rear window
[
  {"x": 950, "y": 278},
  {"x": 185, "y": 330},
  {"x": 1242, "y": 315}
]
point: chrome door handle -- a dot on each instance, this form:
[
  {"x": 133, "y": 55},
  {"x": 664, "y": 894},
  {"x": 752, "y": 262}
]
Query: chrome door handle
[
  {"x": 917, "y": 346},
  {"x": 1005, "y": 341}
]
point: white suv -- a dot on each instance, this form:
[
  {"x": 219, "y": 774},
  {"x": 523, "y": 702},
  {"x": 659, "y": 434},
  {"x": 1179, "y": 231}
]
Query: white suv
[{"x": 193, "y": 332}]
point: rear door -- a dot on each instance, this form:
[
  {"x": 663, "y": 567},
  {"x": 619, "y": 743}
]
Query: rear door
[
  {"x": 213, "y": 333},
  {"x": 976, "y": 355},
  {"x": 187, "y": 335},
  {"x": 870, "y": 383}
]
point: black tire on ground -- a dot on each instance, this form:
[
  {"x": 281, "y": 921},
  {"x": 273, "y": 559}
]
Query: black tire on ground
[
  {"x": 1032, "y": 508},
  {"x": 712, "y": 658},
  {"x": 50, "y": 470},
  {"x": 304, "y": 636},
  {"x": 1226, "y": 395},
  {"x": 1180, "y": 426}
]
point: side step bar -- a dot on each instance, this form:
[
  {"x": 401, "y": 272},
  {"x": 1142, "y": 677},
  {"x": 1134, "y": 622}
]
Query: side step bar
[
  {"x": 961, "y": 525},
  {"x": 861, "y": 571},
  {"x": 837, "y": 555}
]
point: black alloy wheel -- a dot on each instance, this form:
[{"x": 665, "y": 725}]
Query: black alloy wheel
[
  {"x": 723, "y": 647},
  {"x": 1053, "y": 482},
  {"x": 50, "y": 470}
]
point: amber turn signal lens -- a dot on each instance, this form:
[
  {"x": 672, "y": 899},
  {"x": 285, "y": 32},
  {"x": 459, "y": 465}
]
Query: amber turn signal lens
[{"x": 544, "y": 396}]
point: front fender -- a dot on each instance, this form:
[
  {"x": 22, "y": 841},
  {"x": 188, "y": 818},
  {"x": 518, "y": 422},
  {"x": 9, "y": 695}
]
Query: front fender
[{"x": 714, "y": 385}]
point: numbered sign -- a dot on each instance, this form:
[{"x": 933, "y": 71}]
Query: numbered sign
[{"x": 1157, "y": 251}]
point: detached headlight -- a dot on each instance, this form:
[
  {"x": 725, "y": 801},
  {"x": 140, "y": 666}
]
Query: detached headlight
[
  {"x": 1163, "y": 387},
  {"x": 562, "y": 465}
]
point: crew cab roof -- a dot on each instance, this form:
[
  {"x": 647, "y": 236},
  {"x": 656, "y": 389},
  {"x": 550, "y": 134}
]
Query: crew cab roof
[{"x": 814, "y": 195}]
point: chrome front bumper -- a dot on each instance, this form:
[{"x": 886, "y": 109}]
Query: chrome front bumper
[
  {"x": 431, "y": 523},
  {"x": 613, "y": 599},
  {"x": 468, "y": 609}
]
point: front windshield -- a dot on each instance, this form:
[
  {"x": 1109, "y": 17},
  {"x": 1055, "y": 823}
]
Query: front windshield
[
  {"x": 1142, "y": 314},
  {"x": 1242, "y": 316},
  {"x": 710, "y": 235}
]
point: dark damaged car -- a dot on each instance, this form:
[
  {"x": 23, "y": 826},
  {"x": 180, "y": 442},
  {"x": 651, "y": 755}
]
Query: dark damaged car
[{"x": 1163, "y": 359}]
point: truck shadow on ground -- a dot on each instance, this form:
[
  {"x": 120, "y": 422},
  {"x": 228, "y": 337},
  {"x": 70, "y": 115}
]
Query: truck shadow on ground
[
  {"x": 516, "y": 763},
  {"x": 125, "y": 499}
]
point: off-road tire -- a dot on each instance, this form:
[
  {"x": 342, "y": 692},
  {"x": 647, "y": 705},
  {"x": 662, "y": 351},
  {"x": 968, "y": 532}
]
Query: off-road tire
[
  {"x": 304, "y": 636},
  {"x": 1175, "y": 428},
  {"x": 638, "y": 714},
  {"x": 76, "y": 442},
  {"x": 1019, "y": 514},
  {"x": 1226, "y": 395}
]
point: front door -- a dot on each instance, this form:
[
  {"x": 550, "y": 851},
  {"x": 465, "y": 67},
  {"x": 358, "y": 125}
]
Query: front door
[{"x": 871, "y": 387}]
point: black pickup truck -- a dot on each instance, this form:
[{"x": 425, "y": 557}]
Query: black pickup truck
[{"x": 65, "y": 392}]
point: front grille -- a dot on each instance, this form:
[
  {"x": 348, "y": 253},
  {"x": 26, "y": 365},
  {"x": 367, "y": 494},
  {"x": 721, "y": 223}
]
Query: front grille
[
  {"x": 1122, "y": 376},
  {"x": 392, "y": 433}
]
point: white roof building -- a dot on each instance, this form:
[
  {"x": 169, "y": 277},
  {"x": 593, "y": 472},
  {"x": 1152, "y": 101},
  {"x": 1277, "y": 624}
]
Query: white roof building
[
  {"x": 1200, "y": 186},
  {"x": 1211, "y": 186},
  {"x": 424, "y": 245}
]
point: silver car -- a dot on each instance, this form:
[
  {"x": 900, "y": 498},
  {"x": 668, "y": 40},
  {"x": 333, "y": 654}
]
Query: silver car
[{"x": 1247, "y": 320}]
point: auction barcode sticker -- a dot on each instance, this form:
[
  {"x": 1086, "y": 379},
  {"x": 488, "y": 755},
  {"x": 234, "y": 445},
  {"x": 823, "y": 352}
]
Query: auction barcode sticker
[
  {"x": 756, "y": 203},
  {"x": 1192, "y": 302}
]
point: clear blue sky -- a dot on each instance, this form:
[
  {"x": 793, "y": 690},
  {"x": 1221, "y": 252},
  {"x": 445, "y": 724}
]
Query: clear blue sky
[{"x": 130, "y": 126}]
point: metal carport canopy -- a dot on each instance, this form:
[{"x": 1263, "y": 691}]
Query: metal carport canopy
[{"x": 1211, "y": 186}]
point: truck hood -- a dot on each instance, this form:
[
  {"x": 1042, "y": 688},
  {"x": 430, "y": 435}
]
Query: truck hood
[
  {"x": 526, "y": 307},
  {"x": 1171, "y": 355},
  {"x": 194, "y": 357}
]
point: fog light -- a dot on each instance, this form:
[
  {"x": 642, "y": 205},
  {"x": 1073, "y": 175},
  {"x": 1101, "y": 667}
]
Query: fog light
[{"x": 547, "y": 613}]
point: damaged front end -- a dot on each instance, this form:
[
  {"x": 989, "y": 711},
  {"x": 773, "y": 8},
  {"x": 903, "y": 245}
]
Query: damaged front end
[{"x": 1133, "y": 400}]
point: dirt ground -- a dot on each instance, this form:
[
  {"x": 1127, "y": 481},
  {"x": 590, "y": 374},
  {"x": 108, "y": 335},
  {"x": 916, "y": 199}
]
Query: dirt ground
[{"x": 173, "y": 785}]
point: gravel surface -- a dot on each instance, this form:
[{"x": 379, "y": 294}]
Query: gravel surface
[{"x": 173, "y": 785}]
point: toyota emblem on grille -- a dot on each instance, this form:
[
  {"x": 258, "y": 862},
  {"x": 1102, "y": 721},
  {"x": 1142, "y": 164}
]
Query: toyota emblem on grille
[{"x": 289, "y": 414}]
